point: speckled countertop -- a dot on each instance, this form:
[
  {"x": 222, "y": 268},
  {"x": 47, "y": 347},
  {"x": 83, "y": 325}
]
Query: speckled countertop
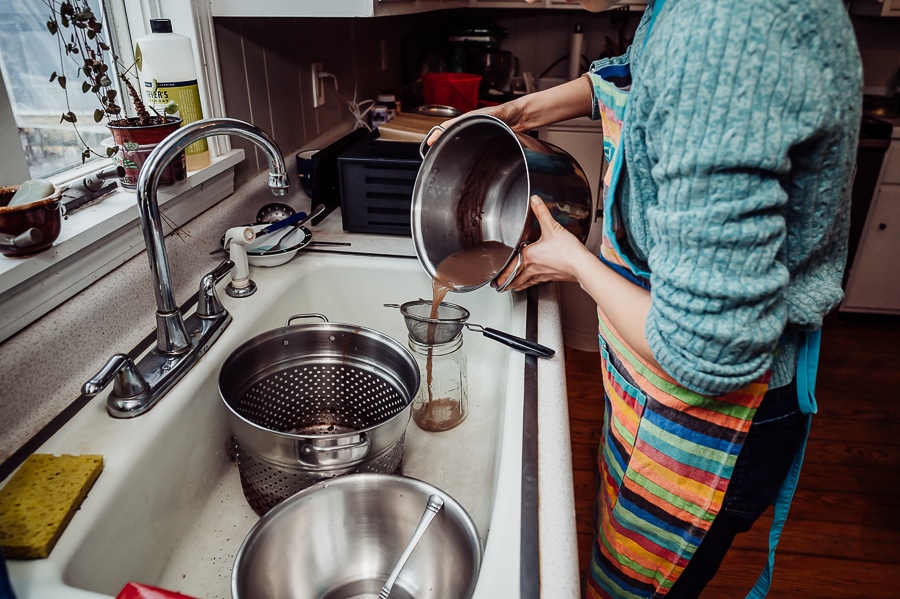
[{"x": 43, "y": 367}]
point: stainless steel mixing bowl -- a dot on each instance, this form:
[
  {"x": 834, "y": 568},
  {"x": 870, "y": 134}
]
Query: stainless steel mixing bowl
[
  {"x": 341, "y": 538},
  {"x": 474, "y": 184}
]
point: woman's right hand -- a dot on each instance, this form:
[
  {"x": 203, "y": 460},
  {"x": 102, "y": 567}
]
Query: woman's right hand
[{"x": 508, "y": 112}]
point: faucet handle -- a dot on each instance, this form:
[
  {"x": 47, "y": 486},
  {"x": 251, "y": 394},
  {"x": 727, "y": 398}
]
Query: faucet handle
[
  {"x": 208, "y": 303},
  {"x": 129, "y": 382}
]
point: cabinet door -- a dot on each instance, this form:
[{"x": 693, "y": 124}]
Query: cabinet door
[{"x": 874, "y": 282}]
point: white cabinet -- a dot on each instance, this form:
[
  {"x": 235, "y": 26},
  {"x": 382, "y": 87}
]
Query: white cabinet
[
  {"x": 327, "y": 8},
  {"x": 874, "y": 282},
  {"x": 876, "y": 8},
  {"x": 376, "y": 8},
  {"x": 558, "y": 4}
]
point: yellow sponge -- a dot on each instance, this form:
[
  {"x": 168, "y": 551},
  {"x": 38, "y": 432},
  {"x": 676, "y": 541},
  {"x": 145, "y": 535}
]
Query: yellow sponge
[{"x": 40, "y": 499}]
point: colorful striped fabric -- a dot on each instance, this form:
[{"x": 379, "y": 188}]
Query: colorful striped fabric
[{"x": 665, "y": 460}]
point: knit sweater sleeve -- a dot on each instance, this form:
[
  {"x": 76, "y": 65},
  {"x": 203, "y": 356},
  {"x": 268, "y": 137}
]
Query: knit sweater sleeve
[{"x": 723, "y": 98}]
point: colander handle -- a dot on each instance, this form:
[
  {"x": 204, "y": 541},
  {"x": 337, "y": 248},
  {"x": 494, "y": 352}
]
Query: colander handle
[
  {"x": 310, "y": 452},
  {"x": 309, "y": 315}
]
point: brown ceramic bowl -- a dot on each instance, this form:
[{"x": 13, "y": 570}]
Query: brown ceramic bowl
[{"x": 44, "y": 215}]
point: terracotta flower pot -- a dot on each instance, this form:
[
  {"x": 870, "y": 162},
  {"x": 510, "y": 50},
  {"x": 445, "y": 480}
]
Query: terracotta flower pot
[{"x": 135, "y": 144}]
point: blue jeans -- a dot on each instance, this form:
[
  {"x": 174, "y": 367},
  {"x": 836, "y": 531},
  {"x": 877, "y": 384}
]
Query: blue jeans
[{"x": 777, "y": 432}]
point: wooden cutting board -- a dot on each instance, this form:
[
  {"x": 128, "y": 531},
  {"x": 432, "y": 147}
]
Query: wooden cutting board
[{"x": 409, "y": 127}]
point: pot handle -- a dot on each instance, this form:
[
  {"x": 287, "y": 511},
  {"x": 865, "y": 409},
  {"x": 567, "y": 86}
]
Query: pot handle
[
  {"x": 331, "y": 455},
  {"x": 308, "y": 315},
  {"x": 505, "y": 284},
  {"x": 423, "y": 147}
]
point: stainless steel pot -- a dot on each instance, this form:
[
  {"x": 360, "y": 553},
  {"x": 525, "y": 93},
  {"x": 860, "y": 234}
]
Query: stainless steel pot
[
  {"x": 311, "y": 401},
  {"x": 474, "y": 185}
]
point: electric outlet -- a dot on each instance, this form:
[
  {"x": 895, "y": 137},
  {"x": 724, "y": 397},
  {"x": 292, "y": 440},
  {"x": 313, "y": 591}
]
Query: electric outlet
[{"x": 318, "y": 85}]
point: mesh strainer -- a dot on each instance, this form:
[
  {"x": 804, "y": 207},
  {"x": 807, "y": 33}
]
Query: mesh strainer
[
  {"x": 450, "y": 321},
  {"x": 432, "y": 331}
]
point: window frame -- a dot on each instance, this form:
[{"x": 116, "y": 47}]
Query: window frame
[{"x": 103, "y": 235}]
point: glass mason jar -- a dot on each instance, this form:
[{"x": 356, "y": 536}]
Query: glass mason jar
[{"x": 441, "y": 402}]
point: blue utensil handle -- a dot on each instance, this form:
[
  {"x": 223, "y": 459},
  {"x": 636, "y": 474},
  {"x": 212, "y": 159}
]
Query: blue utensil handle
[{"x": 285, "y": 222}]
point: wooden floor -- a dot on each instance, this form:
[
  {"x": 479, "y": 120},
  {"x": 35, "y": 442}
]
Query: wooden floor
[{"x": 842, "y": 538}]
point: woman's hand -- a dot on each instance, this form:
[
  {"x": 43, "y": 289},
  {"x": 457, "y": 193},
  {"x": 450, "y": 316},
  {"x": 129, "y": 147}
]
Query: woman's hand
[
  {"x": 556, "y": 256},
  {"x": 508, "y": 112}
]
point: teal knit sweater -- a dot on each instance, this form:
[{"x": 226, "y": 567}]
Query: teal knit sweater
[{"x": 741, "y": 135}]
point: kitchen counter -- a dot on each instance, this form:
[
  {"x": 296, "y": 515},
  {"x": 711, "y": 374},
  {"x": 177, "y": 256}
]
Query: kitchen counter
[{"x": 554, "y": 538}]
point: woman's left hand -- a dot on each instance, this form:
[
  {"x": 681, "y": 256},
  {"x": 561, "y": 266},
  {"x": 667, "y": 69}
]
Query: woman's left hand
[{"x": 551, "y": 258}]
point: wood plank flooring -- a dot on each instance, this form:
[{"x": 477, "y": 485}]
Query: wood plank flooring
[{"x": 842, "y": 538}]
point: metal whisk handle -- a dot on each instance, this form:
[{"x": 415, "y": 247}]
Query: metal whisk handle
[{"x": 435, "y": 503}]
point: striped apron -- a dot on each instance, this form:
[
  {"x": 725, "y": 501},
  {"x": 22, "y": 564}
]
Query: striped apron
[{"x": 666, "y": 453}]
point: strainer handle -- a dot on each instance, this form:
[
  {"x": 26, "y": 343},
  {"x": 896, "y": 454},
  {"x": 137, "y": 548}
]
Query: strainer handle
[
  {"x": 313, "y": 448},
  {"x": 309, "y": 315}
]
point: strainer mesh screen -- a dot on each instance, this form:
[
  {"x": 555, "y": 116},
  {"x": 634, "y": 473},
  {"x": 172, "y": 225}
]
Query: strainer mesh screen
[{"x": 433, "y": 331}]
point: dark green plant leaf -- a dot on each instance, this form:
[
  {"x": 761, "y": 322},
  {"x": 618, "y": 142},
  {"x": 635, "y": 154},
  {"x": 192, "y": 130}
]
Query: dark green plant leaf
[
  {"x": 52, "y": 76},
  {"x": 69, "y": 117},
  {"x": 98, "y": 115},
  {"x": 111, "y": 151},
  {"x": 171, "y": 107},
  {"x": 85, "y": 87},
  {"x": 53, "y": 27},
  {"x": 85, "y": 155},
  {"x": 62, "y": 81}
]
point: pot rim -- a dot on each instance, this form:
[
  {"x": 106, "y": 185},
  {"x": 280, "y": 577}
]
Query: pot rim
[
  {"x": 274, "y": 334},
  {"x": 47, "y": 202},
  {"x": 132, "y": 122}
]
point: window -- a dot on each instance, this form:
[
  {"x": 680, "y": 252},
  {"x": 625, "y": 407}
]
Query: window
[
  {"x": 34, "y": 144},
  {"x": 28, "y": 55}
]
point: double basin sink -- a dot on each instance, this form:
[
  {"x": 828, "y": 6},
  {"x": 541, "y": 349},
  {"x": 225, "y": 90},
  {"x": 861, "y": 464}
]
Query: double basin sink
[{"x": 168, "y": 509}]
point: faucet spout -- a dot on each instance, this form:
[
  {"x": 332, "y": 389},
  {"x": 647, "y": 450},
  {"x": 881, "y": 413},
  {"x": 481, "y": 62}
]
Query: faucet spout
[{"x": 171, "y": 335}]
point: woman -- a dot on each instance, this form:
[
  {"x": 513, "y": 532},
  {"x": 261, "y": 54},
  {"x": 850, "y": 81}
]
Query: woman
[{"x": 730, "y": 130}]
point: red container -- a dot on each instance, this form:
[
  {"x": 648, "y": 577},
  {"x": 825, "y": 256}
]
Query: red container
[{"x": 459, "y": 90}]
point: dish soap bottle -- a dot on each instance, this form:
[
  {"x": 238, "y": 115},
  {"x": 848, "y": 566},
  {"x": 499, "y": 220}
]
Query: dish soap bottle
[{"x": 165, "y": 61}]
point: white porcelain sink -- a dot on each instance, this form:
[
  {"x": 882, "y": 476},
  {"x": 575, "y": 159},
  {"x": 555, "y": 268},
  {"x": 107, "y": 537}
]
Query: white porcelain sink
[{"x": 168, "y": 509}]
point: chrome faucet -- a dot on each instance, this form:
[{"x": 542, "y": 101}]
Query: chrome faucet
[{"x": 179, "y": 343}]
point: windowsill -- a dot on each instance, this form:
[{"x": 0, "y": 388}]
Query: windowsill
[{"x": 96, "y": 239}]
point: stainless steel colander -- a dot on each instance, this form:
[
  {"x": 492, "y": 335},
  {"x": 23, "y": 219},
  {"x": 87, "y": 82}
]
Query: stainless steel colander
[{"x": 312, "y": 401}]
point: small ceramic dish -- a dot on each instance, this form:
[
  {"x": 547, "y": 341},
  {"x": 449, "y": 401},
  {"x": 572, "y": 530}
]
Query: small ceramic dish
[{"x": 259, "y": 252}]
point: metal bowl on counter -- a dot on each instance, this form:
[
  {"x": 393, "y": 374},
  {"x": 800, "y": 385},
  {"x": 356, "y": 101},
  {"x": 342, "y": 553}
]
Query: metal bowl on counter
[{"x": 342, "y": 538}]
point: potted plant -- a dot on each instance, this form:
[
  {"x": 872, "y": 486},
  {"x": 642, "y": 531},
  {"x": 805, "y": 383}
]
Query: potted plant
[{"x": 82, "y": 47}]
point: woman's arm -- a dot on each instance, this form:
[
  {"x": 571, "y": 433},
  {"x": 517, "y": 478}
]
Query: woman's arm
[{"x": 560, "y": 103}]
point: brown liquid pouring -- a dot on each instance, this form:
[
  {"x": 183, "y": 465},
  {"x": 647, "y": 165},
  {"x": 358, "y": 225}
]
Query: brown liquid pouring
[{"x": 465, "y": 268}]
